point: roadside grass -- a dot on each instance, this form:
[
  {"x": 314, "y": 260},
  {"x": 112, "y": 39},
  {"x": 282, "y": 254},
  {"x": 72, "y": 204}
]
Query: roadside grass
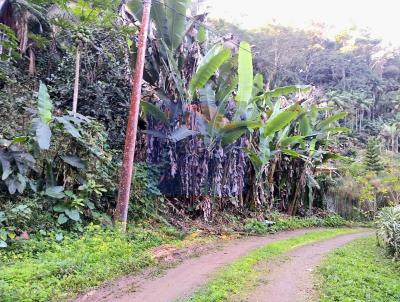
[
  {"x": 241, "y": 276},
  {"x": 283, "y": 223},
  {"x": 45, "y": 270},
  {"x": 359, "y": 271}
]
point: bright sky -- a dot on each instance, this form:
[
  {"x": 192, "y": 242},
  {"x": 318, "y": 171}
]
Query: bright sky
[{"x": 382, "y": 17}]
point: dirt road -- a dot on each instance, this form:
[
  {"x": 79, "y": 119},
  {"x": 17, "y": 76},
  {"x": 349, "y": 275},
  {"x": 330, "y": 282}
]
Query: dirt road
[
  {"x": 285, "y": 280},
  {"x": 183, "y": 279},
  {"x": 289, "y": 278}
]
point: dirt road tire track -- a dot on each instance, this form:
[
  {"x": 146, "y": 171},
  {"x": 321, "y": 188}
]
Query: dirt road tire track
[
  {"x": 290, "y": 277},
  {"x": 183, "y": 279}
]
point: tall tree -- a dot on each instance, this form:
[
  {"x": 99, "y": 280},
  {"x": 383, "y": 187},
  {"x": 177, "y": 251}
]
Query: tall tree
[{"x": 372, "y": 158}]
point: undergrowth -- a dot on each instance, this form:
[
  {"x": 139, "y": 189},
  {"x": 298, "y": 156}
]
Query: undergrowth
[
  {"x": 360, "y": 271},
  {"x": 239, "y": 276},
  {"x": 279, "y": 223},
  {"x": 43, "y": 269}
]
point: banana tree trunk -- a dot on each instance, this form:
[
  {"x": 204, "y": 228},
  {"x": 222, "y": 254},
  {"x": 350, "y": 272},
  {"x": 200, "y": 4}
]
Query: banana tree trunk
[
  {"x": 272, "y": 171},
  {"x": 76, "y": 83},
  {"x": 298, "y": 193}
]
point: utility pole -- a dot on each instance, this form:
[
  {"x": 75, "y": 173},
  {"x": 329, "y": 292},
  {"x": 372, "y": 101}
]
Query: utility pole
[{"x": 121, "y": 212}]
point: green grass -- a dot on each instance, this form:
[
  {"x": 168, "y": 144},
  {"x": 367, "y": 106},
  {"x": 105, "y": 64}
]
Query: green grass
[
  {"x": 241, "y": 275},
  {"x": 360, "y": 271},
  {"x": 45, "y": 270}
]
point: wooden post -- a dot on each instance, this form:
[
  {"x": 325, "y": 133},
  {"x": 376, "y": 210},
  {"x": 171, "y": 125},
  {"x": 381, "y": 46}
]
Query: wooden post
[{"x": 121, "y": 212}]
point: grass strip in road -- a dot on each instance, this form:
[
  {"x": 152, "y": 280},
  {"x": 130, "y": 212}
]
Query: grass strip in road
[
  {"x": 241, "y": 276},
  {"x": 359, "y": 271}
]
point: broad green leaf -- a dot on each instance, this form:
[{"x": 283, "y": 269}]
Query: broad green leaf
[
  {"x": 43, "y": 134},
  {"x": 59, "y": 208},
  {"x": 305, "y": 125},
  {"x": 312, "y": 182},
  {"x": 181, "y": 133},
  {"x": 69, "y": 126},
  {"x": 207, "y": 95},
  {"x": 59, "y": 236},
  {"x": 3, "y": 234},
  {"x": 241, "y": 124},
  {"x": 231, "y": 136},
  {"x": 154, "y": 111},
  {"x": 291, "y": 140},
  {"x": 207, "y": 102},
  {"x": 312, "y": 146},
  {"x": 245, "y": 75},
  {"x": 73, "y": 161},
  {"x": 202, "y": 34},
  {"x": 285, "y": 90},
  {"x": 333, "y": 118},
  {"x": 226, "y": 89},
  {"x": 234, "y": 130},
  {"x": 159, "y": 16},
  {"x": 73, "y": 214},
  {"x": 334, "y": 156},
  {"x": 214, "y": 58},
  {"x": 227, "y": 80},
  {"x": 11, "y": 183},
  {"x": 175, "y": 71},
  {"x": 291, "y": 153},
  {"x": 62, "y": 219},
  {"x": 313, "y": 114},
  {"x": 5, "y": 165},
  {"x": 337, "y": 130},
  {"x": 90, "y": 205},
  {"x": 176, "y": 17},
  {"x": 259, "y": 81},
  {"x": 44, "y": 104},
  {"x": 55, "y": 192},
  {"x": 20, "y": 139},
  {"x": 3, "y": 244},
  {"x": 281, "y": 120}
]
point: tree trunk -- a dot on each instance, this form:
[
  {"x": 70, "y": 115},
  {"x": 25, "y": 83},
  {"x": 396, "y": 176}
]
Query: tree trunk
[
  {"x": 293, "y": 206},
  {"x": 121, "y": 211},
  {"x": 32, "y": 62},
  {"x": 76, "y": 83},
  {"x": 392, "y": 142},
  {"x": 272, "y": 171}
]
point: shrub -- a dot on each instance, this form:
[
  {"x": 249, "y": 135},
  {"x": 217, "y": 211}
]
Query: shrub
[
  {"x": 281, "y": 223},
  {"x": 389, "y": 229}
]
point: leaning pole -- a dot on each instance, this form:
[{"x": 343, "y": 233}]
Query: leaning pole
[{"x": 121, "y": 211}]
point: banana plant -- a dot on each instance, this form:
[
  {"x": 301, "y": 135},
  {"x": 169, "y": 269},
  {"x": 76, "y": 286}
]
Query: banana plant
[{"x": 169, "y": 17}]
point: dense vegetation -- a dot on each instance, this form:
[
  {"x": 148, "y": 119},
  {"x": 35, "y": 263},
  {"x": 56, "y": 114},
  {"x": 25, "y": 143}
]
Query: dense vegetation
[
  {"x": 289, "y": 123},
  {"x": 389, "y": 230},
  {"x": 358, "y": 74},
  {"x": 212, "y": 137}
]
